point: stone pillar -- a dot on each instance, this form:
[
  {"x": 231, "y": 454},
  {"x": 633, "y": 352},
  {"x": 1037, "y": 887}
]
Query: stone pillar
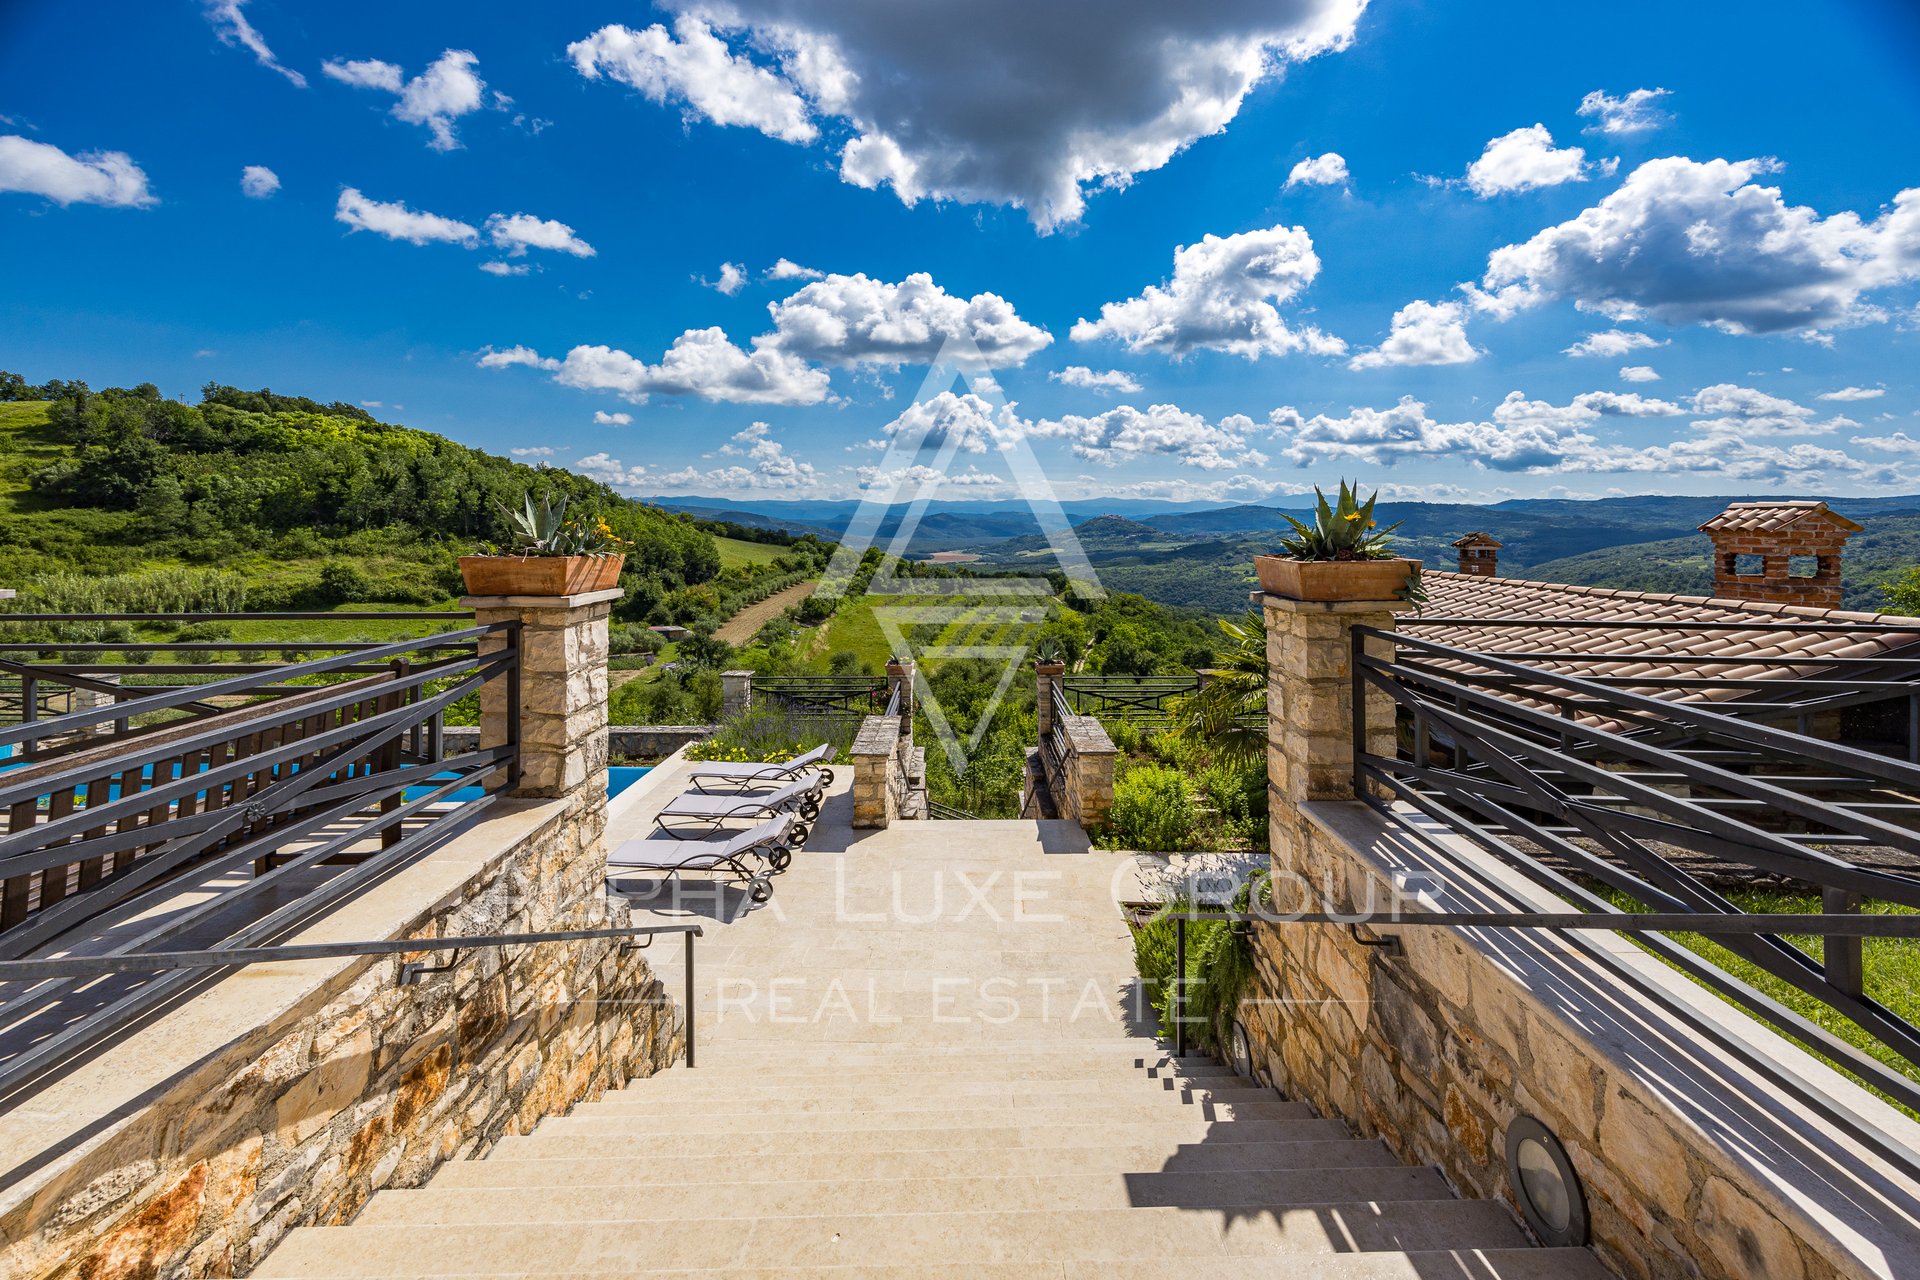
[
  {"x": 1045, "y": 676},
  {"x": 1310, "y": 704},
  {"x": 563, "y": 691},
  {"x": 900, "y": 680},
  {"x": 876, "y": 750},
  {"x": 736, "y": 693},
  {"x": 1091, "y": 770}
]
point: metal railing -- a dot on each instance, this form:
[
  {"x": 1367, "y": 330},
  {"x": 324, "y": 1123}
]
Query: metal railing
[
  {"x": 1745, "y": 670},
  {"x": 1142, "y": 698},
  {"x": 948, "y": 813},
  {"x": 232, "y": 819},
  {"x": 851, "y": 697},
  {"x": 198, "y": 965},
  {"x": 1576, "y": 782}
]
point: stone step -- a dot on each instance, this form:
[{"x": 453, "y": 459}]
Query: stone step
[
  {"x": 608, "y": 1201},
  {"x": 623, "y": 1139},
  {"x": 862, "y": 1115},
  {"x": 782, "y": 1063},
  {"x": 521, "y": 1162},
  {"x": 893, "y": 1239},
  {"x": 913, "y": 1092}
]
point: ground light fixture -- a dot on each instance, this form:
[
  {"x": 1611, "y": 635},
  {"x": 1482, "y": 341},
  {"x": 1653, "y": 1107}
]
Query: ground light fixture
[
  {"x": 1239, "y": 1050},
  {"x": 1545, "y": 1184}
]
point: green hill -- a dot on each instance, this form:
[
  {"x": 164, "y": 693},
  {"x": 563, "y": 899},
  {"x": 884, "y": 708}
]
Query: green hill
[{"x": 308, "y": 505}]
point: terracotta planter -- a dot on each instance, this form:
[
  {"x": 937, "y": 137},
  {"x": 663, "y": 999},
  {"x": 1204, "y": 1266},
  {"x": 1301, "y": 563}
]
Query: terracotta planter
[
  {"x": 539, "y": 575},
  {"x": 1334, "y": 580}
]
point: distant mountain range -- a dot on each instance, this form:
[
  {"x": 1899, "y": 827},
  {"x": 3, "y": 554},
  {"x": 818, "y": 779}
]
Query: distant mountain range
[{"x": 1202, "y": 556}]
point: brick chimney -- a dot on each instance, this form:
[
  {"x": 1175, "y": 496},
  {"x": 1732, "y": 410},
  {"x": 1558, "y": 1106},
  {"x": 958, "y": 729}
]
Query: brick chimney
[
  {"x": 1479, "y": 555},
  {"x": 1784, "y": 552}
]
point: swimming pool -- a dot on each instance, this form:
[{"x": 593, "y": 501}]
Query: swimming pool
[{"x": 619, "y": 778}]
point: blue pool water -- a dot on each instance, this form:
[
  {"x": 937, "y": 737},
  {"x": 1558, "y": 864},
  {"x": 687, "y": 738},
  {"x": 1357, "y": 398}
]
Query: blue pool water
[{"x": 619, "y": 778}]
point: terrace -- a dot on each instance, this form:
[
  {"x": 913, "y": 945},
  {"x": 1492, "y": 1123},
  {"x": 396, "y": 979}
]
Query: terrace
[{"x": 299, "y": 988}]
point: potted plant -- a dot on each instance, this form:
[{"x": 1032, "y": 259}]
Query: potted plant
[
  {"x": 1340, "y": 556},
  {"x": 554, "y": 556}
]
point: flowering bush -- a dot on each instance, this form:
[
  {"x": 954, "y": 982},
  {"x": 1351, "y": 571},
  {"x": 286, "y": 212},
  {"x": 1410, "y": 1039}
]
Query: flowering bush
[{"x": 775, "y": 735}]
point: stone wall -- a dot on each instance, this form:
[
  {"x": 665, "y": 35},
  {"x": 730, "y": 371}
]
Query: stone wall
[
  {"x": 1692, "y": 1165},
  {"x": 287, "y": 1094}
]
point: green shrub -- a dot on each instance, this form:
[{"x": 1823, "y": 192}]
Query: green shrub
[
  {"x": 1152, "y": 809},
  {"x": 1219, "y": 967}
]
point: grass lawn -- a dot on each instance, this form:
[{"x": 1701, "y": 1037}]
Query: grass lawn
[
  {"x": 733, "y": 552},
  {"x": 1893, "y": 967}
]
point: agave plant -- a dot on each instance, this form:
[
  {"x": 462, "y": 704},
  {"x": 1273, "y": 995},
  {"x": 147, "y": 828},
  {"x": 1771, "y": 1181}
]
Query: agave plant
[
  {"x": 544, "y": 530},
  {"x": 1344, "y": 530}
]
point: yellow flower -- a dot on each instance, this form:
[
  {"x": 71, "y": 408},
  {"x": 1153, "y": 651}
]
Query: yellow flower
[{"x": 1354, "y": 516}]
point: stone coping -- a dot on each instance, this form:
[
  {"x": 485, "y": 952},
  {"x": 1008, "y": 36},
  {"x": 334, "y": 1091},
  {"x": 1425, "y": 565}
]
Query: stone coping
[
  {"x": 1841, "y": 1199},
  {"x": 1288, "y": 604},
  {"x": 89, "y": 1102},
  {"x": 634, "y": 796},
  {"x": 580, "y": 601}
]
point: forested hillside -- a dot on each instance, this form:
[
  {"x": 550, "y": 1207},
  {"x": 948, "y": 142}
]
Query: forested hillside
[{"x": 310, "y": 504}]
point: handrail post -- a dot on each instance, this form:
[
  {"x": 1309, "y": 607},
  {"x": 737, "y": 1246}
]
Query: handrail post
[
  {"x": 1180, "y": 985},
  {"x": 1844, "y": 957},
  {"x": 690, "y": 1014},
  {"x": 1357, "y": 665}
]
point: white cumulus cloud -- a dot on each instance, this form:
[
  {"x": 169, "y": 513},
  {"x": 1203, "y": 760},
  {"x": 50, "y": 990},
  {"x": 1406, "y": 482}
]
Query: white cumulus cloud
[
  {"x": 692, "y": 66},
  {"x": 231, "y": 25},
  {"x": 438, "y": 96},
  {"x": 609, "y": 470},
  {"x": 1686, "y": 242},
  {"x": 1221, "y": 297},
  {"x": 980, "y": 101},
  {"x": 1638, "y": 373},
  {"x": 516, "y": 233},
  {"x": 731, "y": 280},
  {"x": 1102, "y": 381},
  {"x": 505, "y": 268},
  {"x": 1329, "y": 170},
  {"x": 785, "y": 269},
  {"x": 397, "y": 222},
  {"x": 606, "y": 419},
  {"x": 768, "y": 466},
  {"x": 1525, "y": 160},
  {"x": 846, "y": 320},
  {"x": 92, "y": 177},
  {"x": 1637, "y": 112},
  {"x": 258, "y": 182},
  {"x": 1854, "y": 393},
  {"x": 1423, "y": 333},
  {"x": 701, "y": 362},
  {"x": 1614, "y": 343}
]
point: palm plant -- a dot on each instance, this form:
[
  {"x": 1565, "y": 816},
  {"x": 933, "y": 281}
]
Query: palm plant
[{"x": 1234, "y": 692}]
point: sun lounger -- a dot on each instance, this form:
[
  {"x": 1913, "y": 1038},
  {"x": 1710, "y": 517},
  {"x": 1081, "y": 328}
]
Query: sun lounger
[
  {"x": 694, "y": 812},
  {"x": 738, "y": 854},
  {"x": 722, "y": 773}
]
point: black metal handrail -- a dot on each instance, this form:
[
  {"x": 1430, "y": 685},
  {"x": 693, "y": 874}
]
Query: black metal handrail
[
  {"x": 234, "y": 825},
  {"x": 14, "y": 1072},
  {"x": 1546, "y": 771},
  {"x": 947, "y": 812},
  {"x": 827, "y": 696}
]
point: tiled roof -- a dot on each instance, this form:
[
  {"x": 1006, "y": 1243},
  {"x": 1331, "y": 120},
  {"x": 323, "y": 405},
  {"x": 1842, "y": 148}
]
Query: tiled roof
[
  {"x": 1659, "y": 627},
  {"x": 1771, "y": 517},
  {"x": 1478, "y": 540}
]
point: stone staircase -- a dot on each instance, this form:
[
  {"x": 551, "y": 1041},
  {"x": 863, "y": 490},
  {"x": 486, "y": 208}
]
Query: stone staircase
[
  {"x": 940, "y": 1071},
  {"x": 1108, "y": 1159}
]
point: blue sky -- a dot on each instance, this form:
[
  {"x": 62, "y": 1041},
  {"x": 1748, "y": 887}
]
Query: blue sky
[{"x": 514, "y": 224}]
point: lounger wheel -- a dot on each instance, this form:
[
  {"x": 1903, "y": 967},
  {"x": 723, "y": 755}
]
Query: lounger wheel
[
  {"x": 798, "y": 836},
  {"x": 758, "y": 889},
  {"x": 809, "y": 809},
  {"x": 827, "y": 774},
  {"x": 779, "y": 860}
]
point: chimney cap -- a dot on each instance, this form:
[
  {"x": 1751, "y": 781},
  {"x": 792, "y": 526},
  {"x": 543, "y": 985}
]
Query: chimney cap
[
  {"x": 1775, "y": 516},
  {"x": 1478, "y": 540}
]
